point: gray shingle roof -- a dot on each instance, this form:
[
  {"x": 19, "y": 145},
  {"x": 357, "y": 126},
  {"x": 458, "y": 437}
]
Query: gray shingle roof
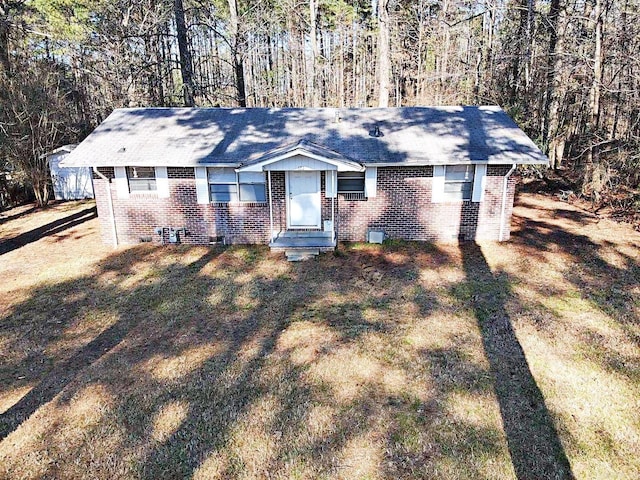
[{"x": 236, "y": 136}]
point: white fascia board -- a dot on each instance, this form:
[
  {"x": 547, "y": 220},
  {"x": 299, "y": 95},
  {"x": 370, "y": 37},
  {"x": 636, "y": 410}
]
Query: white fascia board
[
  {"x": 342, "y": 165},
  {"x": 505, "y": 161},
  {"x": 215, "y": 165}
]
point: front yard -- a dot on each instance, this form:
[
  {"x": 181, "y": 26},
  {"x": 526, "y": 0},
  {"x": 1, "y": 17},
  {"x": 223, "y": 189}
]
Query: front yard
[{"x": 516, "y": 360}]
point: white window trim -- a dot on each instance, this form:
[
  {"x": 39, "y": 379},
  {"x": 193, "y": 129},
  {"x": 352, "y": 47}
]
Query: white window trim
[
  {"x": 143, "y": 192},
  {"x": 331, "y": 184},
  {"x": 162, "y": 182},
  {"x": 237, "y": 183},
  {"x": 202, "y": 185},
  {"x": 370, "y": 182},
  {"x": 264, "y": 182},
  {"x": 478, "y": 188},
  {"x": 121, "y": 181},
  {"x": 458, "y": 200},
  {"x": 437, "y": 184},
  {"x": 479, "y": 183}
]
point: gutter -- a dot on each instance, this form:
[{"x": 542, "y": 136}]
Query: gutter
[
  {"x": 110, "y": 203},
  {"x": 504, "y": 201}
]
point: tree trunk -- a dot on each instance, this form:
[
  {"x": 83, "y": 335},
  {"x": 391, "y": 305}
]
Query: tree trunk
[
  {"x": 597, "y": 69},
  {"x": 186, "y": 64},
  {"x": 550, "y": 135},
  {"x": 315, "y": 53},
  {"x": 238, "y": 67},
  {"x": 5, "y": 64},
  {"x": 384, "y": 57}
]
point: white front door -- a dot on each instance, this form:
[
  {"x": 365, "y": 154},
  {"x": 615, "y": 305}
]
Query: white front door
[{"x": 303, "y": 199}]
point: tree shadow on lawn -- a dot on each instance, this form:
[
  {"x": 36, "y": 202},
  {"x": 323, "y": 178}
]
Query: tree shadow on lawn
[
  {"x": 54, "y": 377},
  {"x": 248, "y": 348},
  {"x": 606, "y": 285},
  {"x": 534, "y": 444},
  {"x": 273, "y": 370},
  {"x": 48, "y": 229}
]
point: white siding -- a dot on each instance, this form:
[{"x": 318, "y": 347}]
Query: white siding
[
  {"x": 70, "y": 183},
  {"x": 300, "y": 162}
]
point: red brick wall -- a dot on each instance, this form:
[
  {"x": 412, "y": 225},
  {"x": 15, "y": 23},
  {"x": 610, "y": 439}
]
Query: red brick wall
[{"x": 402, "y": 208}]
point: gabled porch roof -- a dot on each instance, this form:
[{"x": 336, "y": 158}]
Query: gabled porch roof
[{"x": 303, "y": 155}]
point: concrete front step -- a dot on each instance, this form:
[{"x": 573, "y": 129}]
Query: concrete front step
[
  {"x": 299, "y": 254},
  {"x": 303, "y": 234}
]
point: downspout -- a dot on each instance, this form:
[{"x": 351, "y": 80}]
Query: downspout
[
  {"x": 504, "y": 200},
  {"x": 270, "y": 208},
  {"x": 110, "y": 204},
  {"x": 334, "y": 192}
]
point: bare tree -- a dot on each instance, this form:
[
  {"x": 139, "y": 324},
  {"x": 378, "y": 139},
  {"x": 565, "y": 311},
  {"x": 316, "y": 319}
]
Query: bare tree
[
  {"x": 236, "y": 53},
  {"x": 384, "y": 55},
  {"x": 186, "y": 64}
]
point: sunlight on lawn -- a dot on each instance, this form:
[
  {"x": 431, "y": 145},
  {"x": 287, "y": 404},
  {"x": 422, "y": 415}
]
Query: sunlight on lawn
[
  {"x": 168, "y": 420},
  {"x": 375, "y": 362},
  {"x": 176, "y": 366}
]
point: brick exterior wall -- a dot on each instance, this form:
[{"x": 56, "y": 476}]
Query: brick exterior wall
[{"x": 403, "y": 209}]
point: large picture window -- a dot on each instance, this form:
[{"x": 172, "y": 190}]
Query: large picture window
[
  {"x": 350, "y": 182},
  {"x": 458, "y": 182},
  {"x": 141, "y": 179},
  {"x": 226, "y": 186}
]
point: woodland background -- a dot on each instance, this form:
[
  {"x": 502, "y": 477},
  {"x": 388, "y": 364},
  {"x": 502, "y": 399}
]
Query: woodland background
[{"x": 567, "y": 71}]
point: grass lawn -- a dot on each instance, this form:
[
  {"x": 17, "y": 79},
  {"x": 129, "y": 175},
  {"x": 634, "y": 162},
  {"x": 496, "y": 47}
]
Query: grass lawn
[{"x": 515, "y": 360}]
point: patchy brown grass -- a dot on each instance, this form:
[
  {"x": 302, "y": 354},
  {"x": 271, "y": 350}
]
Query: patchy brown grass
[{"x": 398, "y": 361}]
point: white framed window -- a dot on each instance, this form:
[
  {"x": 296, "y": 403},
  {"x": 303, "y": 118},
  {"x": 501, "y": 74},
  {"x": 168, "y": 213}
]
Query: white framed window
[
  {"x": 458, "y": 182},
  {"x": 252, "y": 187},
  {"x": 225, "y": 186},
  {"x": 350, "y": 182},
  {"x": 141, "y": 179}
]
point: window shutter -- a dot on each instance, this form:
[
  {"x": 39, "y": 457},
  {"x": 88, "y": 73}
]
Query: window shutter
[
  {"x": 331, "y": 184},
  {"x": 122, "y": 184},
  {"x": 479, "y": 181},
  {"x": 162, "y": 182},
  {"x": 370, "y": 181},
  {"x": 437, "y": 192},
  {"x": 202, "y": 185}
]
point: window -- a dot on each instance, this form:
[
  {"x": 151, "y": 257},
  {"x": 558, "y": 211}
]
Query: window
[
  {"x": 141, "y": 179},
  {"x": 223, "y": 187},
  {"x": 252, "y": 187},
  {"x": 226, "y": 186},
  {"x": 458, "y": 182},
  {"x": 350, "y": 182}
]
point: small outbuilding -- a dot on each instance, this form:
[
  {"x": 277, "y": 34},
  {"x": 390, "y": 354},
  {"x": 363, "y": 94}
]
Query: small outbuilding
[{"x": 69, "y": 183}]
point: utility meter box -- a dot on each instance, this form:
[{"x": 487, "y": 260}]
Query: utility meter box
[{"x": 376, "y": 236}]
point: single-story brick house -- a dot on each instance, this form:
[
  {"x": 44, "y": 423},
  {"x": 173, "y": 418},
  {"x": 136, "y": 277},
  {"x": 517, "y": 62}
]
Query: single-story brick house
[{"x": 310, "y": 175}]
